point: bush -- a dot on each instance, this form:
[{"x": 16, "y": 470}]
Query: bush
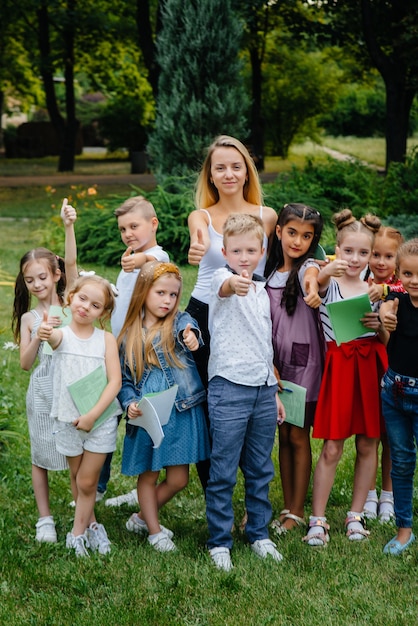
[
  {"x": 400, "y": 188},
  {"x": 361, "y": 111}
]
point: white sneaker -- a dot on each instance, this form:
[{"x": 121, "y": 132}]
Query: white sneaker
[
  {"x": 222, "y": 558},
  {"x": 45, "y": 530},
  {"x": 264, "y": 548},
  {"x": 99, "y": 497},
  {"x": 97, "y": 538},
  {"x": 137, "y": 525},
  {"x": 131, "y": 499},
  {"x": 78, "y": 543},
  {"x": 162, "y": 542}
]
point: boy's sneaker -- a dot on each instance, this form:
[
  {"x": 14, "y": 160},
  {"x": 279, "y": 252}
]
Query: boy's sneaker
[
  {"x": 78, "y": 543},
  {"x": 162, "y": 542},
  {"x": 45, "y": 530},
  {"x": 131, "y": 499},
  {"x": 137, "y": 525},
  {"x": 264, "y": 548},
  {"x": 97, "y": 538},
  {"x": 222, "y": 558}
]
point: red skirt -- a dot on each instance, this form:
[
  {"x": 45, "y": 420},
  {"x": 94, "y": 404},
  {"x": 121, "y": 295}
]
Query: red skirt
[{"x": 349, "y": 398}]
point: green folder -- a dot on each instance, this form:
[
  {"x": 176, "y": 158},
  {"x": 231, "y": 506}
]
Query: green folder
[
  {"x": 345, "y": 317},
  {"x": 293, "y": 398},
  {"x": 64, "y": 314},
  {"x": 86, "y": 392}
]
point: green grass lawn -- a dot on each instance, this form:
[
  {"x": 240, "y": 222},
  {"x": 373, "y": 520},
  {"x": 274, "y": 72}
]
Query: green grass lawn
[{"x": 345, "y": 584}]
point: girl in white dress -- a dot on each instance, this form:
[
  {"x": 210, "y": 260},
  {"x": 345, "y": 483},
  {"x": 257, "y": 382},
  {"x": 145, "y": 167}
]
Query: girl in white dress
[{"x": 79, "y": 350}]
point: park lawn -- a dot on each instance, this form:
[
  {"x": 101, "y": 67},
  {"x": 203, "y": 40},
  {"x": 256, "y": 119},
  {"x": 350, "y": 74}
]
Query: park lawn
[{"x": 345, "y": 584}]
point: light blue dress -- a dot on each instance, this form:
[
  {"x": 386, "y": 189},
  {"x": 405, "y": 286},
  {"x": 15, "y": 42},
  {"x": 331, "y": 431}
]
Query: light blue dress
[{"x": 186, "y": 438}]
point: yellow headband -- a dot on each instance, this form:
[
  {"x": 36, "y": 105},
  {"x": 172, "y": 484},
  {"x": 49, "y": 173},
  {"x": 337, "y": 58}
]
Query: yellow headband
[{"x": 166, "y": 268}]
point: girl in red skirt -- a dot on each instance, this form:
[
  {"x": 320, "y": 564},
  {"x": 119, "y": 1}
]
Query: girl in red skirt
[{"x": 349, "y": 398}]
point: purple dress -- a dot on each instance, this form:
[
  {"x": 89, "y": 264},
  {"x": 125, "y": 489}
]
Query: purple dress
[{"x": 298, "y": 341}]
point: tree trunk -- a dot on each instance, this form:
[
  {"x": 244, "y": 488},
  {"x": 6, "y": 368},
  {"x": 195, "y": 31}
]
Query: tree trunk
[
  {"x": 399, "y": 96},
  {"x": 68, "y": 145},
  {"x": 146, "y": 40},
  {"x": 398, "y": 106},
  {"x": 257, "y": 123},
  {"x": 66, "y": 130}
]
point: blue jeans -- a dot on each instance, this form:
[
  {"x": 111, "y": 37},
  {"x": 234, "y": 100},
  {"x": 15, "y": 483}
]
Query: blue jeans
[
  {"x": 400, "y": 410},
  {"x": 243, "y": 423}
]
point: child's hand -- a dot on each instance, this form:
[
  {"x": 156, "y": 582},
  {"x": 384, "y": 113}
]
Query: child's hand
[
  {"x": 45, "y": 329},
  {"x": 190, "y": 339},
  {"x": 312, "y": 298},
  {"x": 84, "y": 422},
  {"x": 389, "y": 318},
  {"x": 281, "y": 413},
  {"x": 338, "y": 267},
  {"x": 128, "y": 260},
  {"x": 68, "y": 213},
  {"x": 197, "y": 250},
  {"x": 371, "y": 320},
  {"x": 240, "y": 285},
  {"x": 132, "y": 411},
  {"x": 375, "y": 291}
]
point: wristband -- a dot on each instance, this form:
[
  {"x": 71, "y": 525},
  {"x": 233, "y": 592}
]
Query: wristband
[{"x": 385, "y": 291}]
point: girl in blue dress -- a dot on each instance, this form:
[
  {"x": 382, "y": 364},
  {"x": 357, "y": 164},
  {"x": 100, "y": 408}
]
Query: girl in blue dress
[{"x": 156, "y": 342}]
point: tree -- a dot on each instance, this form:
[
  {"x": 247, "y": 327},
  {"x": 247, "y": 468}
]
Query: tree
[
  {"x": 200, "y": 90},
  {"x": 298, "y": 87},
  {"x": 385, "y": 34}
]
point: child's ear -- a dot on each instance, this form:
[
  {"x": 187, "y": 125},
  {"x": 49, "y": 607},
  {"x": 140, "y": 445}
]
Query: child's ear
[
  {"x": 154, "y": 222},
  {"x": 57, "y": 275},
  {"x": 278, "y": 232},
  {"x": 224, "y": 252}
]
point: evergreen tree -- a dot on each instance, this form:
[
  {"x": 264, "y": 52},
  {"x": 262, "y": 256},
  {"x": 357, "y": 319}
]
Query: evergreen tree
[{"x": 200, "y": 88}]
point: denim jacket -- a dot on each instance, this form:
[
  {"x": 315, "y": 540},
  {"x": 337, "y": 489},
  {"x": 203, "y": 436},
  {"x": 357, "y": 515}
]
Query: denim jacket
[{"x": 191, "y": 390}]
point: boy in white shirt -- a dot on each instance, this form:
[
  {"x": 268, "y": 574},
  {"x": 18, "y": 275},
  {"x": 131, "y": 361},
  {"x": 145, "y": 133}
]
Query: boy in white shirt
[{"x": 244, "y": 406}]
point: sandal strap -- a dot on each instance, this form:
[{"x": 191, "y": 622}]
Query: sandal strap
[
  {"x": 324, "y": 537},
  {"x": 299, "y": 520},
  {"x": 318, "y": 522},
  {"x": 356, "y": 531}
]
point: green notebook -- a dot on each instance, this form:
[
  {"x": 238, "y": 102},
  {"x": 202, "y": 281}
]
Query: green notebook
[
  {"x": 86, "y": 392},
  {"x": 345, "y": 317},
  {"x": 293, "y": 398}
]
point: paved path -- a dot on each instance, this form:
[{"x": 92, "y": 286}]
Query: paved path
[{"x": 146, "y": 181}]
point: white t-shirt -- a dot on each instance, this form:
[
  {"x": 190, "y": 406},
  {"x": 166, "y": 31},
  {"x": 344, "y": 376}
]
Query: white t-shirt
[
  {"x": 125, "y": 285},
  {"x": 241, "y": 347}
]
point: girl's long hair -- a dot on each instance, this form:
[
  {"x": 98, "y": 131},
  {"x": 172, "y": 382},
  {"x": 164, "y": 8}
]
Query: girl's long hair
[
  {"x": 137, "y": 344},
  {"x": 206, "y": 192},
  {"x": 275, "y": 259},
  {"x": 22, "y": 300}
]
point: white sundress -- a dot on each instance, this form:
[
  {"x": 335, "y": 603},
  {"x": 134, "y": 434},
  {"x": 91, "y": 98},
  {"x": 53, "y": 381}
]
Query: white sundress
[{"x": 38, "y": 409}]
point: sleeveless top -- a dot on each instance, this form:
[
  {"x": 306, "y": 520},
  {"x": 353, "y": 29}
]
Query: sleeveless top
[
  {"x": 73, "y": 359},
  {"x": 214, "y": 259},
  {"x": 298, "y": 340}
]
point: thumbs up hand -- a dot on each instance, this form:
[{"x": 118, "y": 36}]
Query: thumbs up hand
[
  {"x": 190, "y": 339},
  {"x": 197, "y": 249},
  {"x": 128, "y": 260},
  {"x": 338, "y": 267},
  {"x": 240, "y": 285},
  {"x": 389, "y": 312},
  {"x": 68, "y": 213},
  {"x": 312, "y": 298},
  {"x": 375, "y": 291},
  {"x": 45, "y": 328}
]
